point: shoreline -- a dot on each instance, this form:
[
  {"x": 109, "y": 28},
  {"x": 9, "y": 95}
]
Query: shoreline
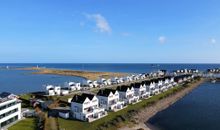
[
  {"x": 89, "y": 75},
  {"x": 145, "y": 114}
]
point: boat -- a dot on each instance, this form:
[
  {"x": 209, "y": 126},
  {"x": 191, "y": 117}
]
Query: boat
[{"x": 213, "y": 81}]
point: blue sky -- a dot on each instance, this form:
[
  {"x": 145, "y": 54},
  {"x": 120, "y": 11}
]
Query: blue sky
[{"x": 110, "y": 31}]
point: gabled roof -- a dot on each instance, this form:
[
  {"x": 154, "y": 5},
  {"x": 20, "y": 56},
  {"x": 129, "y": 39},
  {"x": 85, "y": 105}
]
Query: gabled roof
[
  {"x": 90, "y": 96},
  {"x": 123, "y": 88},
  {"x": 181, "y": 77},
  {"x": 154, "y": 80},
  {"x": 136, "y": 85},
  {"x": 81, "y": 98},
  {"x": 105, "y": 92},
  {"x": 159, "y": 79},
  {"x": 167, "y": 77},
  {"x": 147, "y": 82}
]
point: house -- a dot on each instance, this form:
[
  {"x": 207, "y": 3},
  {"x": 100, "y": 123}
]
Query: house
[
  {"x": 109, "y": 82},
  {"x": 161, "y": 72},
  {"x": 89, "y": 83},
  {"x": 154, "y": 89},
  {"x": 102, "y": 81},
  {"x": 10, "y": 109},
  {"x": 74, "y": 86},
  {"x": 136, "y": 77},
  {"x": 168, "y": 81},
  {"x": 161, "y": 84},
  {"x": 126, "y": 93},
  {"x": 53, "y": 90},
  {"x": 128, "y": 78},
  {"x": 57, "y": 90},
  {"x": 143, "y": 76},
  {"x": 95, "y": 84},
  {"x": 147, "y": 84},
  {"x": 64, "y": 91},
  {"x": 178, "y": 79},
  {"x": 140, "y": 90},
  {"x": 109, "y": 99},
  {"x": 115, "y": 80},
  {"x": 85, "y": 107},
  {"x": 121, "y": 80}
]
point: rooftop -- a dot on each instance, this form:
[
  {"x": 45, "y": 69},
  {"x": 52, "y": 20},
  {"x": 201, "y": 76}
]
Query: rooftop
[
  {"x": 5, "y": 96},
  {"x": 106, "y": 92}
]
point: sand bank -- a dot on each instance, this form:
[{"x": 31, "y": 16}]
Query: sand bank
[{"x": 85, "y": 74}]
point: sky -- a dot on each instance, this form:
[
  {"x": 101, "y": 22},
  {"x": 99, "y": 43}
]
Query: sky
[{"x": 109, "y": 31}]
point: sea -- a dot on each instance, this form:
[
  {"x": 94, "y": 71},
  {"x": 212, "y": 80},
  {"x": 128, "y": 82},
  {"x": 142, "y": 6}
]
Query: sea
[
  {"x": 15, "y": 80},
  {"x": 199, "y": 110}
]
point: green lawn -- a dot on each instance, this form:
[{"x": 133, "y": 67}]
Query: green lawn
[
  {"x": 26, "y": 124},
  {"x": 25, "y": 96},
  {"x": 111, "y": 121}
]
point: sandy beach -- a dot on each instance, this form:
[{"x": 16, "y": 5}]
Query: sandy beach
[
  {"x": 91, "y": 75},
  {"x": 145, "y": 114}
]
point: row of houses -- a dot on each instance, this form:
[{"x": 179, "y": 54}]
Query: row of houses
[
  {"x": 52, "y": 90},
  {"x": 186, "y": 71},
  {"x": 90, "y": 107},
  {"x": 102, "y": 82},
  {"x": 69, "y": 87},
  {"x": 216, "y": 70}
]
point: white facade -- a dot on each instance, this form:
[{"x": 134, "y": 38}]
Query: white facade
[
  {"x": 64, "y": 91},
  {"x": 87, "y": 110},
  {"x": 141, "y": 91},
  {"x": 110, "y": 102},
  {"x": 10, "y": 111},
  {"x": 74, "y": 86},
  {"x": 53, "y": 90},
  {"x": 128, "y": 96}
]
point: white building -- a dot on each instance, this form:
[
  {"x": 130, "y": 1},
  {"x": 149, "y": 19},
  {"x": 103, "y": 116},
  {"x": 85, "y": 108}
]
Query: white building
[
  {"x": 126, "y": 93},
  {"x": 140, "y": 90},
  {"x": 109, "y": 99},
  {"x": 102, "y": 81},
  {"x": 154, "y": 89},
  {"x": 53, "y": 90},
  {"x": 74, "y": 86},
  {"x": 89, "y": 83},
  {"x": 64, "y": 91},
  {"x": 10, "y": 109},
  {"x": 95, "y": 84},
  {"x": 128, "y": 78},
  {"x": 85, "y": 107}
]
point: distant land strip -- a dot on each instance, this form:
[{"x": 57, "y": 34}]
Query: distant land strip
[{"x": 90, "y": 75}]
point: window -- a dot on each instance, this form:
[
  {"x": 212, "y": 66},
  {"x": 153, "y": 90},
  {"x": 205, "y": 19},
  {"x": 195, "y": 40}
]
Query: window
[{"x": 8, "y": 113}]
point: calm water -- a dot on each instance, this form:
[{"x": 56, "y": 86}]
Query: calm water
[
  {"x": 199, "y": 110},
  {"x": 20, "y": 81},
  {"x": 128, "y": 68}
]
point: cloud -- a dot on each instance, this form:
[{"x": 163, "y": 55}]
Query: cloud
[
  {"x": 162, "y": 39},
  {"x": 126, "y": 34},
  {"x": 213, "y": 40},
  {"x": 102, "y": 24}
]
